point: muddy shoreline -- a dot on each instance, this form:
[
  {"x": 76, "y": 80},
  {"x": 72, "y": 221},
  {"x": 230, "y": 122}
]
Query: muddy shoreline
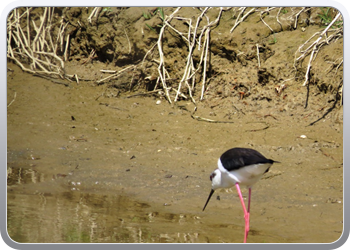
[{"x": 160, "y": 157}]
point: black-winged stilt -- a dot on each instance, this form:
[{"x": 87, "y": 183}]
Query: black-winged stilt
[{"x": 236, "y": 166}]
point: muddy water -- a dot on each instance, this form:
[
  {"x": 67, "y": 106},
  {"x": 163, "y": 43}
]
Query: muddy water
[{"x": 84, "y": 166}]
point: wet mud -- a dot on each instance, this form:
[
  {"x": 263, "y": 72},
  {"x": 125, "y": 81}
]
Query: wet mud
[{"x": 129, "y": 170}]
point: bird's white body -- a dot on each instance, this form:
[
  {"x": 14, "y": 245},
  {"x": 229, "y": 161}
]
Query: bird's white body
[
  {"x": 239, "y": 166},
  {"x": 246, "y": 176}
]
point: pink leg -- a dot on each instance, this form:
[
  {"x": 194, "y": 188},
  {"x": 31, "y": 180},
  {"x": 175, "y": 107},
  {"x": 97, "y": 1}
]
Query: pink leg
[{"x": 246, "y": 213}]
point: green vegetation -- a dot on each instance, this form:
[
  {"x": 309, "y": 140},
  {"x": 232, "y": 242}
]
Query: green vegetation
[
  {"x": 273, "y": 40},
  {"x": 284, "y": 11},
  {"x": 73, "y": 235},
  {"x": 107, "y": 9},
  {"x": 149, "y": 15},
  {"x": 326, "y": 18}
]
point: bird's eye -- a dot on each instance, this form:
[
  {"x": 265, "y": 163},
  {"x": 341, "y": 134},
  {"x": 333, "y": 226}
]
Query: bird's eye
[{"x": 212, "y": 176}]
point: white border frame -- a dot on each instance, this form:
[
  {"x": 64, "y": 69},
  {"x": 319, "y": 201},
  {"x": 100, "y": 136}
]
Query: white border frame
[{"x": 7, "y": 5}]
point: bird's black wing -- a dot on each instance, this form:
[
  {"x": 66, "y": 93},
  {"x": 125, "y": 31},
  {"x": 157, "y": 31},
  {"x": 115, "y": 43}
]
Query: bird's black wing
[{"x": 236, "y": 158}]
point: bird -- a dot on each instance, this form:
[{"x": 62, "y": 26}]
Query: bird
[{"x": 239, "y": 166}]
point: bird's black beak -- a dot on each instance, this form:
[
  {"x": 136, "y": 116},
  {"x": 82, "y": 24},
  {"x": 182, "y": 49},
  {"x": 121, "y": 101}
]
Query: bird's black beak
[{"x": 211, "y": 193}]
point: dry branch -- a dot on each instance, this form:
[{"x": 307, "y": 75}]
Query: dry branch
[
  {"x": 238, "y": 21},
  {"x": 94, "y": 13},
  {"x": 194, "y": 37},
  {"x": 312, "y": 50},
  {"x": 114, "y": 76},
  {"x": 33, "y": 47},
  {"x": 14, "y": 98},
  {"x": 189, "y": 63},
  {"x": 262, "y": 19}
]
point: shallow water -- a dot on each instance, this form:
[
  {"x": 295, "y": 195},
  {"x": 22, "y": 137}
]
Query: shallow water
[
  {"x": 73, "y": 216},
  {"x": 70, "y": 217}
]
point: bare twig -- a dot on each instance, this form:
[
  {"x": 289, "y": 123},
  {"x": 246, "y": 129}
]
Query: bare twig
[
  {"x": 149, "y": 51},
  {"x": 94, "y": 13},
  {"x": 115, "y": 75},
  {"x": 199, "y": 118},
  {"x": 14, "y": 98},
  {"x": 297, "y": 15},
  {"x": 128, "y": 40},
  {"x": 161, "y": 67},
  {"x": 314, "y": 47},
  {"x": 257, "y": 52},
  {"x": 267, "y": 125},
  {"x": 340, "y": 91},
  {"x": 34, "y": 44},
  {"x": 278, "y": 13},
  {"x": 238, "y": 21},
  {"x": 108, "y": 71},
  {"x": 207, "y": 39},
  {"x": 90, "y": 57},
  {"x": 262, "y": 19},
  {"x": 187, "y": 71},
  {"x": 66, "y": 50}
]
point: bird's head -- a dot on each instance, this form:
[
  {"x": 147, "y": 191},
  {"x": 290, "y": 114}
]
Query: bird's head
[{"x": 215, "y": 178}]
